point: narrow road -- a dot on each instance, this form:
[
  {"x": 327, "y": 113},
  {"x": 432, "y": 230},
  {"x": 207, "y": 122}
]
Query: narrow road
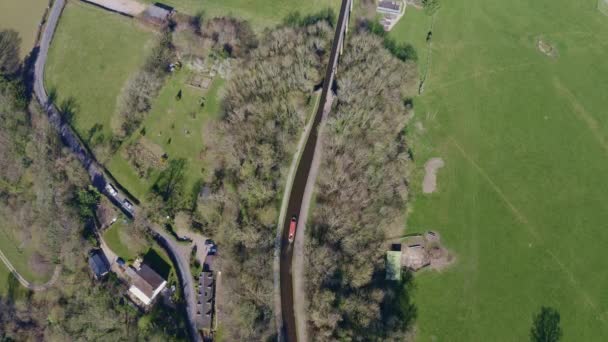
[
  {"x": 99, "y": 177},
  {"x": 288, "y": 330}
]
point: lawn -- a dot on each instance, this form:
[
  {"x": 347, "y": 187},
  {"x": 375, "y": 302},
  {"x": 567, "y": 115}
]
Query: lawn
[
  {"x": 520, "y": 201},
  {"x": 176, "y": 127},
  {"x": 260, "y": 13},
  {"x": 120, "y": 243},
  {"x": 23, "y": 16},
  {"x": 92, "y": 55}
]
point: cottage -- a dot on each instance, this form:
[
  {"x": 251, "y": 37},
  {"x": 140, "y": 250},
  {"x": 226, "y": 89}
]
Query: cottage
[
  {"x": 99, "y": 263},
  {"x": 146, "y": 284}
]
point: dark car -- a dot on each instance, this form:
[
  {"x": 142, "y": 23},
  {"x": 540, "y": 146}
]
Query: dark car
[{"x": 211, "y": 246}]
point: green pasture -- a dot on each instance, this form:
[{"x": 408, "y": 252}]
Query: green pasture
[
  {"x": 260, "y": 13},
  {"x": 176, "y": 126},
  {"x": 23, "y": 16},
  {"x": 521, "y": 201},
  {"x": 93, "y": 54}
]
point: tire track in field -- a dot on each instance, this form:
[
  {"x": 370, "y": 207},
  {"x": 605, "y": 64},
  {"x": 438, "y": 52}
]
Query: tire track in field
[
  {"x": 582, "y": 114},
  {"x": 523, "y": 219}
]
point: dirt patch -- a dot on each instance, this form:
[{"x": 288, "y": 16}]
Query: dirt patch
[
  {"x": 425, "y": 250},
  {"x": 39, "y": 265},
  {"x": 429, "y": 184},
  {"x": 546, "y": 48}
]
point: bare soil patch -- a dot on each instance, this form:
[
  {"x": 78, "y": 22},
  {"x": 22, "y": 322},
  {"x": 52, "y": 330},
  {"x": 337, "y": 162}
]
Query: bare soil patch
[
  {"x": 546, "y": 48},
  {"x": 429, "y": 184}
]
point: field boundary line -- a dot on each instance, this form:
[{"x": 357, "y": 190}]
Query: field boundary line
[
  {"x": 496, "y": 188},
  {"x": 575, "y": 284}
]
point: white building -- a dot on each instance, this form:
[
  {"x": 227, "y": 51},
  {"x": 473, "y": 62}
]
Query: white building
[{"x": 145, "y": 283}]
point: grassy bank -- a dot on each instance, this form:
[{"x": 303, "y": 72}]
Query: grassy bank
[
  {"x": 520, "y": 201},
  {"x": 260, "y": 13},
  {"x": 23, "y": 16},
  {"x": 92, "y": 55}
]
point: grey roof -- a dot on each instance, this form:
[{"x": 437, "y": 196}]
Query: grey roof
[
  {"x": 389, "y": 5},
  {"x": 99, "y": 263},
  {"x": 157, "y": 12},
  {"x": 206, "y": 297},
  {"x": 146, "y": 279}
]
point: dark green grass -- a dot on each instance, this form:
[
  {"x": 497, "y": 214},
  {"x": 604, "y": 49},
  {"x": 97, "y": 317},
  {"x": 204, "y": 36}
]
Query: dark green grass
[{"x": 521, "y": 200}]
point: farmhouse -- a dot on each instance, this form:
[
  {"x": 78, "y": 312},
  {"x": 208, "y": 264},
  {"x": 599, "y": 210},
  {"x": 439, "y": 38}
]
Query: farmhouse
[
  {"x": 146, "y": 284},
  {"x": 99, "y": 263}
]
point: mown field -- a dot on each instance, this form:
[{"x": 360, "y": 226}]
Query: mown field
[
  {"x": 23, "y": 16},
  {"x": 521, "y": 201},
  {"x": 260, "y": 13},
  {"x": 92, "y": 55}
]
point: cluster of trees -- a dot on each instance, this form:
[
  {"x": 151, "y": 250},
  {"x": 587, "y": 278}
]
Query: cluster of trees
[
  {"x": 265, "y": 108},
  {"x": 44, "y": 199},
  {"x": 361, "y": 193},
  {"x": 403, "y": 51},
  {"x": 144, "y": 86}
]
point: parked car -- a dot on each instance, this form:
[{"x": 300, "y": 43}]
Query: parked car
[
  {"x": 111, "y": 190},
  {"x": 211, "y": 247}
]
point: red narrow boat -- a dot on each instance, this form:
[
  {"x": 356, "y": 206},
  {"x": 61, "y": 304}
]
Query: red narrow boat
[{"x": 292, "y": 228}]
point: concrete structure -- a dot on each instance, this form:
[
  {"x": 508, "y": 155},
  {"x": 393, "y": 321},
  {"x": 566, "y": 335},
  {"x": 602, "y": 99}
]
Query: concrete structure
[
  {"x": 389, "y": 7},
  {"x": 146, "y": 284},
  {"x": 392, "y": 12}
]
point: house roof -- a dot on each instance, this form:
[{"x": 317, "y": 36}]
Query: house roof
[
  {"x": 393, "y": 265},
  {"x": 147, "y": 281},
  {"x": 99, "y": 263},
  {"x": 206, "y": 296}
]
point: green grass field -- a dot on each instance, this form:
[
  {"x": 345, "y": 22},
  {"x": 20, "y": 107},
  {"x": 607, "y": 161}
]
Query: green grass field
[
  {"x": 260, "y": 13},
  {"x": 19, "y": 251},
  {"x": 177, "y": 127},
  {"x": 119, "y": 242},
  {"x": 23, "y": 16},
  {"x": 521, "y": 200},
  {"x": 92, "y": 55}
]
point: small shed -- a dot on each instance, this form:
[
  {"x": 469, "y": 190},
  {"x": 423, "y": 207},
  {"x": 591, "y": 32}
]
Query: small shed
[
  {"x": 158, "y": 13},
  {"x": 99, "y": 263}
]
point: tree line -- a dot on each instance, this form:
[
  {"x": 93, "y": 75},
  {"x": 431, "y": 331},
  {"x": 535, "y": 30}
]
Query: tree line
[
  {"x": 268, "y": 99},
  {"x": 361, "y": 193}
]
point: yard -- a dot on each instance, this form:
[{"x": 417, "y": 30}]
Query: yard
[
  {"x": 23, "y": 16},
  {"x": 520, "y": 201},
  {"x": 173, "y": 127},
  {"x": 92, "y": 55},
  {"x": 119, "y": 241},
  {"x": 260, "y": 13}
]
